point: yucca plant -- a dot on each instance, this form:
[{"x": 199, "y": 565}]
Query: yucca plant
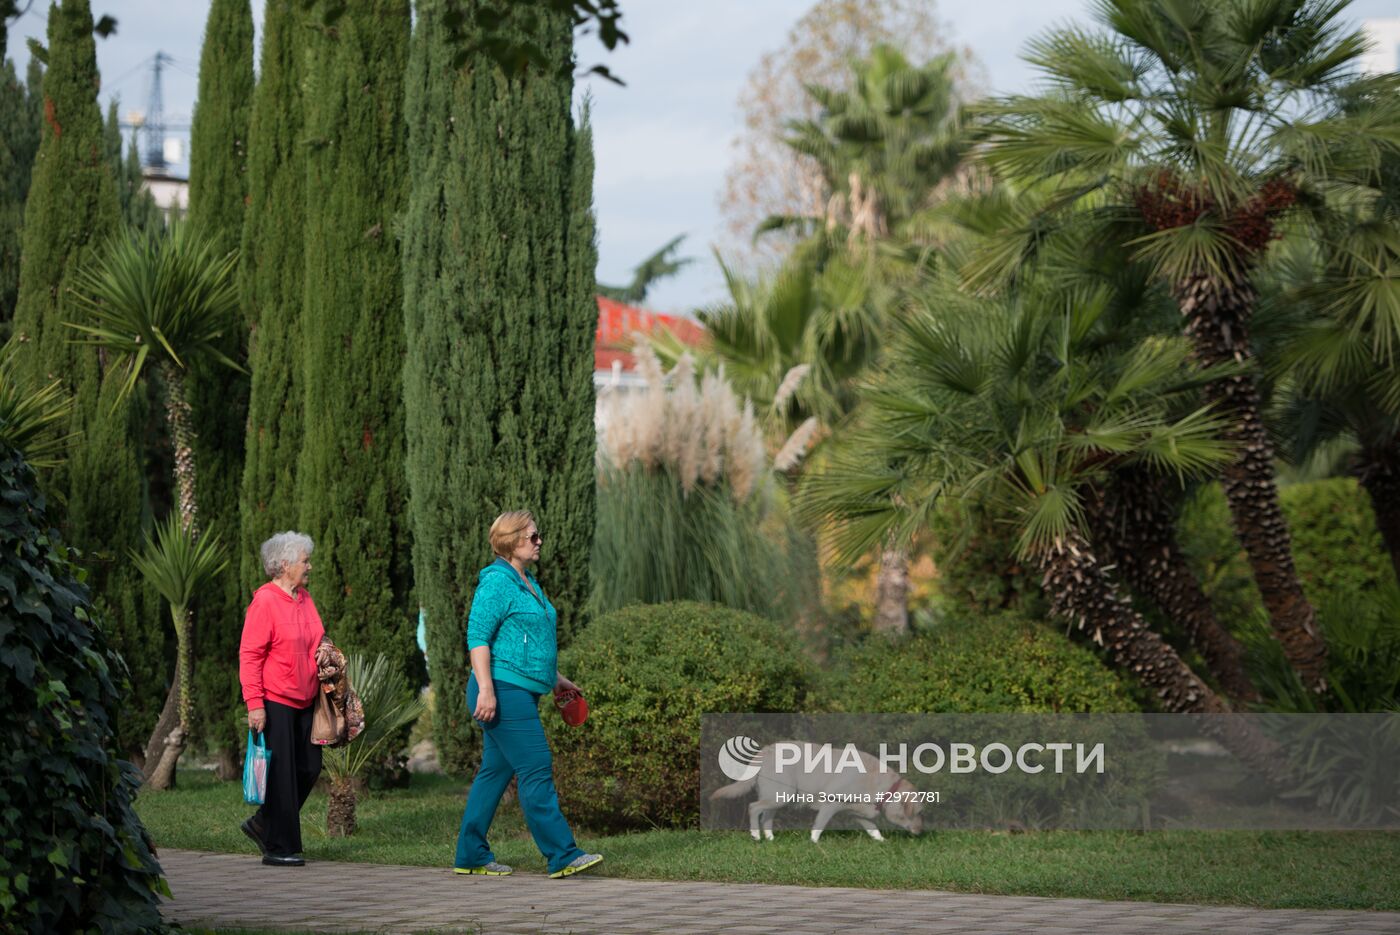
[
  {"x": 164, "y": 299},
  {"x": 30, "y": 415},
  {"x": 179, "y": 566},
  {"x": 1197, "y": 130},
  {"x": 389, "y": 706}
]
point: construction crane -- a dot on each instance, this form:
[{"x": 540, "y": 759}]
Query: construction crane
[{"x": 151, "y": 126}]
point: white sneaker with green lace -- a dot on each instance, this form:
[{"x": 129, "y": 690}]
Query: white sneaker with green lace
[{"x": 579, "y": 863}]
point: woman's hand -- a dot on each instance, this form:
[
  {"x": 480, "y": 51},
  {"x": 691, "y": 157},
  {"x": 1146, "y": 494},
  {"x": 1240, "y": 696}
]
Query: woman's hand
[
  {"x": 485, "y": 705},
  {"x": 562, "y": 684},
  {"x": 257, "y": 720}
]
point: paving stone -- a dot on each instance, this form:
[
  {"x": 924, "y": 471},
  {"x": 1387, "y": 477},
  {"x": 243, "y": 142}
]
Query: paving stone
[{"x": 220, "y": 890}]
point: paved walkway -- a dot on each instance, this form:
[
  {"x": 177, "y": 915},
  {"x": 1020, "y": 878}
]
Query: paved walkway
[{"x": 235, "y": 890}]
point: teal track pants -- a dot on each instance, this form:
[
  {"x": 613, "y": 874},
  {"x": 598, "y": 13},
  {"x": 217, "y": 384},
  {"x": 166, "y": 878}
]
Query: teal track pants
[{"x": 514, "y": 745}]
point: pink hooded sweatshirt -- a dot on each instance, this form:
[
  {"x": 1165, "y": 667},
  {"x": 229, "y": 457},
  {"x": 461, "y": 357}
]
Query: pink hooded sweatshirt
[{"x": 277, "y": 654}]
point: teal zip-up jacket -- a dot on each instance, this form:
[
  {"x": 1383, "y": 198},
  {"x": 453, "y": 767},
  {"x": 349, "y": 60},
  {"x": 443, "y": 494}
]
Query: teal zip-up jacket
[{"x": 519, "y": 628}]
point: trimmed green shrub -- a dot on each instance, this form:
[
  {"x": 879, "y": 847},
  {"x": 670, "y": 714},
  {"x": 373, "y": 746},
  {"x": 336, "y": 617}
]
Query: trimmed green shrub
[
  {"x": 1000, "y": 663},
  {"x": 1336, "y": 546},
  {"x": 74, "y": 857},
  {"x": 649, "y": 672}
]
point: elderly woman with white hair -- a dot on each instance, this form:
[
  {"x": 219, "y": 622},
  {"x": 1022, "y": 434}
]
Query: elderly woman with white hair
[{"x": 277, "y": 669}]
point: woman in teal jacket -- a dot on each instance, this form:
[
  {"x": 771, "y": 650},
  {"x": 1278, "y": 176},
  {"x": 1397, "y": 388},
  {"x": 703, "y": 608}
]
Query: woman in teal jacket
[{"x": 511, "y": 638}]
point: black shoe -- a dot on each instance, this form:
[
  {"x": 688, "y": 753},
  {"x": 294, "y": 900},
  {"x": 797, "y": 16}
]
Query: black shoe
[
  {"x": 274, "y": 861},
  {"x": 254, "y": 834}
]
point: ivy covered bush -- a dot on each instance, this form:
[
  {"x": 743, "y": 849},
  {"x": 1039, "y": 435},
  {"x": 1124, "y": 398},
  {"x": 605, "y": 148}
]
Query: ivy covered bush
[
  {"x": 73, "y": 855},
  {"x": 649, "y": 671},
  {"x": 973, "y": 664}
]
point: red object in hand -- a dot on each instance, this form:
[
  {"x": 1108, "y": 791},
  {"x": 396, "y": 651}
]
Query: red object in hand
[{"x": 572, "y": 706}]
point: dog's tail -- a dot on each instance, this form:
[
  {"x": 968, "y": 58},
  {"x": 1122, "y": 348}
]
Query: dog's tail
[{"x": 735, "y": 790}]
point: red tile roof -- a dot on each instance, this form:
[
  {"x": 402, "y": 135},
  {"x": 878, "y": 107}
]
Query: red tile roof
[{"x": 617, "y": 322}]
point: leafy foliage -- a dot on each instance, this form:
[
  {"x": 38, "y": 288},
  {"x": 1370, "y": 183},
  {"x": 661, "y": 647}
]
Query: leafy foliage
[
  {"x": 19, "y": 142},
  {"x": 74, "y": 857},
  {"x": 1017, "y": 402},
  {"x": 649, "y": 672},
  {"x": 30, "y": 417},
  {"x": 271, "y": 282},
  {"x": 98, "y": 493}
]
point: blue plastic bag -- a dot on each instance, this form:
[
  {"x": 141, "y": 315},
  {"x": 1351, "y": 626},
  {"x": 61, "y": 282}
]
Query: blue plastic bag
[{"x": 255, "y": 769}]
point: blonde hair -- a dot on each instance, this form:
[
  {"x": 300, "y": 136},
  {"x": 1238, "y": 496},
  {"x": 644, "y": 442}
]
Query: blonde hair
[{"x": 508, "y": 530}]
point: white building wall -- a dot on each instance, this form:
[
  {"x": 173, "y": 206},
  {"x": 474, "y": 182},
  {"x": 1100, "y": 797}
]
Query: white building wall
[{"x": 1385, "y": 45}]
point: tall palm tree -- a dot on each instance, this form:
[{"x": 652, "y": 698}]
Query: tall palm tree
[
  {"x": 884, "y": 146},
  {"x": 1196, "y": 127},
  {"x": 1021, "y": 400},
  {"x": 1015, "y": 401},
  {"x": 163, "y": 300},
  {"x": 1134, "y": 510},
  {"x": 660, "y": 265}
]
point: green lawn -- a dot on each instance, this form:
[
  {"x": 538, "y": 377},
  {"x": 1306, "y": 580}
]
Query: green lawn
[{"x": 418, "y": 826}]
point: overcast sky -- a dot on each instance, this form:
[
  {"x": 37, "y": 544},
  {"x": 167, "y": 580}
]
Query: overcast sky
[{"x": 662, "y": 143}]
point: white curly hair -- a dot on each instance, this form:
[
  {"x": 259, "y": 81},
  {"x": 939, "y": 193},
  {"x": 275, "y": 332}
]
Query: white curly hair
[{"x": 282, "y": 550}]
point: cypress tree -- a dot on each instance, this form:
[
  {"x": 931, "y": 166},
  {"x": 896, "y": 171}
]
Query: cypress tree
[
  {"x": 19, "y": 141},
  {"x": 136, "y": 205},
  {"x": 499, "y": 260},
  {"x": 352, "y": 491},
  {"x": 219, "y": 395},
  {"x": 71, "y": 210},
  {"x": 272, "y": 272}
]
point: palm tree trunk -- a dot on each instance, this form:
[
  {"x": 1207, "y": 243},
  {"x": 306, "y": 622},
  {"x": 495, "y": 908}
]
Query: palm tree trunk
[
  {"x": 892, "y": 591},
  {"x": 1135, "y": 526},
  {"x": 155, "y": 747},
  {"x": 1379, "y": 473},
  {"x": 172, "y": 728},
  {"x": 181, "y": 418},
  {"x": 340, "y": 809},
  {"x": 1082, "y": 592},
  {"x": 1217, "y": 310},
  {"x": 163, "y": 752}
]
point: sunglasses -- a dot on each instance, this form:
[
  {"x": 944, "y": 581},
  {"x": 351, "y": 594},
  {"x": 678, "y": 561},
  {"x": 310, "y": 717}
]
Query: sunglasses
[{"x": 534, "y": 538}]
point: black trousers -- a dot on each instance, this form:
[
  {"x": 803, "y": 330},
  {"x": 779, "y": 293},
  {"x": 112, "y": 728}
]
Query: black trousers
[{"x": 295, "y": 764}]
